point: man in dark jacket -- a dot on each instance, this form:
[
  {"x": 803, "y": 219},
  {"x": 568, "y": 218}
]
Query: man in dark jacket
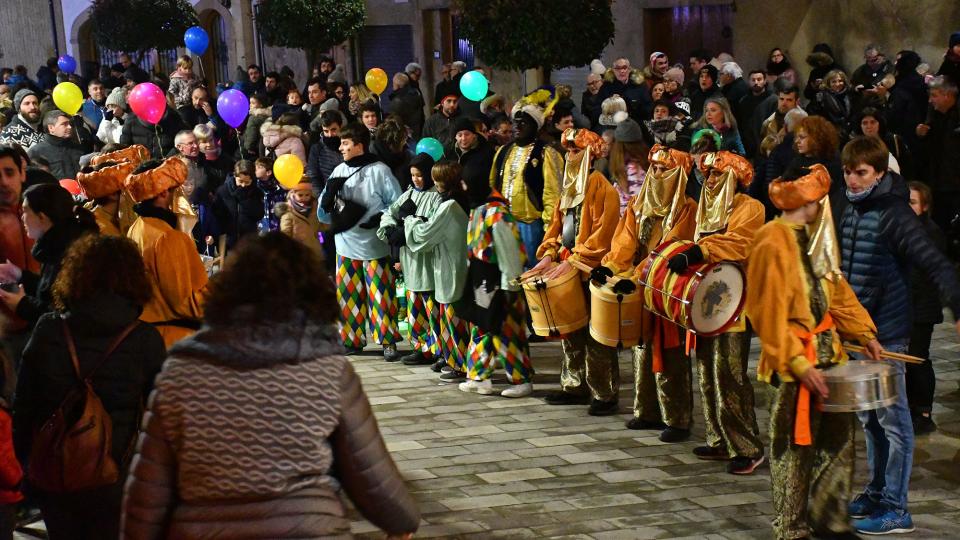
[
  {"x": 157, "y": 138},
  {"x": 744, "y": 110},
  {"x": 591, "y": 102},
  {"x": 940, "y": 135},
  {"x": 200, "y": 110},
  {"x": 866, "y": 79},
  {"x": 407, "y": 103},
  {"x": 732, "y": 85},
  {"x": 325, "y": 153},
  {"x": 881, "y": 238},
  {"x": 706, "y": 88},
  {"x": 59, "y": 146},
  {"x": 24, "y": 129},
  {"x": 238, "y": 206},
  {"x": 473, "y": 152},
  {"x": 628, "y": 84},
  {"x": 440, "y": 124}
]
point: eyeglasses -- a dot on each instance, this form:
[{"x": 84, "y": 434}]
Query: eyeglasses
[{"x": 621, "y": 67}]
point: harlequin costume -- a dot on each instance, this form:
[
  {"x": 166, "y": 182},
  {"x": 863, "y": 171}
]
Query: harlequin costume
[
  {"x": 811, "y": 452},
  {"x": 580, "y": 232},
  {"x": 528, "y": 175},
  {"x": 659, "y": 213},
  {"x": 177, "y": 275},
  {"x": 423, "y": 313},
  {"x": 726, "y": 224}
]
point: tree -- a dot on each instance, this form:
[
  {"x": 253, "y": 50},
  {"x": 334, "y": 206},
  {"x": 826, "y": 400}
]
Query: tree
[
  {"x": 310, "y": 24},
  {"x": 537, "y": 33},
  {"x": 141, "y": 25}
]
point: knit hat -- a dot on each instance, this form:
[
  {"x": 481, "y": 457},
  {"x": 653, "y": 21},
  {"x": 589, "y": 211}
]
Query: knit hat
[
  {"x": 150, "y": 183},
  {"x": 463, "y": 124},
  {"x": 106, "y": 180},
  {"x": 682, "y": 105},
  {"x": 136, "y": 154},
  {"x": 711, "y": 71},
  {"x": 423, "y": 163},
  {"x": 628, "y": 131},
  {"x": 656, "y": 55},
  {"x": 954, "y": 39},
  {"x": 675, "y": 74},
  {"x": 117, "y": 97},
  {"x": 339, "y": 74},
  {"x": 20, "y": 96}
]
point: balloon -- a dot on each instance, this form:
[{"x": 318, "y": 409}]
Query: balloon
[
  {"x": 376, "y": 80},
  {"x": 233, "y": 107},
  {"x": 147, "y": 102},
  {"x": 67, "y": 64},
  {"x": 196, "y": 40},
  {"x": 289, "y": 170},
  {"x": 68, "y": 97},
  {"x": 473, "y": 85},
  {"x": 72, "y": 186},
  {"x": 431, "y": 147}
]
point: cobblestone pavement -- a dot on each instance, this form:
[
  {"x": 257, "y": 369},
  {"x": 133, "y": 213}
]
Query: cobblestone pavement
[{"x": 491, "y": 467}]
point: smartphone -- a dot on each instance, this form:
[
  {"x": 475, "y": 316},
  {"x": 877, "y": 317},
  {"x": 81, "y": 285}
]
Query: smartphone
[{"x": 9, "y": 287}]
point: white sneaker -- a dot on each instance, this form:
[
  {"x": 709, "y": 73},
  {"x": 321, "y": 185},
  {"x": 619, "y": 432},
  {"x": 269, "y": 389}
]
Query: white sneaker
[
  {"x": 484, "y": 387},
  {"x": 518, "y": 390}
]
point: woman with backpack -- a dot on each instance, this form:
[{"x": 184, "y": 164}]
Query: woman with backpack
[{"x": 98, "y": 296}]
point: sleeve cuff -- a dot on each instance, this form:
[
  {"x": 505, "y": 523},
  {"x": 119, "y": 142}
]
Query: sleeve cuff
[
  {"x": 863, "y": 339},
  {"x": 799, "y": 365},
  {"x": 705, "y": 251}
]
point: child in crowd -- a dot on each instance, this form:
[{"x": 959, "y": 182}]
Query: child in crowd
[
  {"x": 419, "y": 200},
  {"x": 492, "y": 299},
  {"x": 298, "y": 216},
  {"x": 238, "y": 204},
  {"x": 442, "y": 236},
  {"x": 273, "y": 194}
]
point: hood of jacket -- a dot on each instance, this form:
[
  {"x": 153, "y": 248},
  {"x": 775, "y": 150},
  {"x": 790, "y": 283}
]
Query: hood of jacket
[
  {"x": 254, "y": 344},
  {"x": 636, "y": 76},
  {"x": 280, "y": 131},
  {"x": 820, "y": 59},
  {"x": 260, "y": 111},
  {"x": 104, "y": 314}
]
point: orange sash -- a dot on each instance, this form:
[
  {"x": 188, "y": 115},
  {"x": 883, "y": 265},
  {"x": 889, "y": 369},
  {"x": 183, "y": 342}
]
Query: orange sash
[
  {"x": 665, "y": 335},
  {"x": 801, "y": 424}
]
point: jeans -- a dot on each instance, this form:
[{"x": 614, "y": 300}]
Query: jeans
[
  {"x": 531, "y": 235},
  {"x": 889, "y": 437}
]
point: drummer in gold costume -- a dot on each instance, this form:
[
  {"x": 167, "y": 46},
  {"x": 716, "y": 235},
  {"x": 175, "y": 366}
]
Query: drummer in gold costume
[
  {"x": 726, "y": 223},
  {"x": 800, "y": 327},
  {"x": 580, "y": 231},
  {"x": 661, "y": 368}
]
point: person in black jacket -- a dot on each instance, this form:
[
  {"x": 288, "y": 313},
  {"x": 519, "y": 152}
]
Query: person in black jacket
[
  {"x": 881, "y": 238},
  {"x": 238, "y": 205},
  {"x": 473, "y": 152},
  {"x": 822, "y": 60},
  {"x": 98, "y": 294},
  {"x": 407, "y": 103},
  {"x": 157, "y": 138},
  {"x": 927, "y": 312},
  {"x": 54, "y": 222},
  {"x": 59, "y": 147}
]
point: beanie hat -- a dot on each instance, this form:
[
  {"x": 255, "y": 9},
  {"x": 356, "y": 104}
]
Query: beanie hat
[
  {"x": 954, "y": 39},
  {"x": 463, "y": 124},
  {"x": 339, "y": 74},
  {"x": 655, "y": 55},
  {"x": 423, "y": 163},
  {"x": 411, "y": 67},
  {"x": 628, "y": 131},
  {"x": 20, "y": 96},
  {"x": 675, "y": 74},
  {"x": 711, "y": 71},
  {"x": 117, "y": 98},
  {"x": 682, "y": 105}
]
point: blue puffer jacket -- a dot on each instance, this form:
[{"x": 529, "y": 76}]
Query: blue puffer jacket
[{"x": 881, "y": 238}]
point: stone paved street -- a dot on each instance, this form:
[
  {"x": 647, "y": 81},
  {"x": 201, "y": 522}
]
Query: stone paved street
[{"x": 491, "y": 467}]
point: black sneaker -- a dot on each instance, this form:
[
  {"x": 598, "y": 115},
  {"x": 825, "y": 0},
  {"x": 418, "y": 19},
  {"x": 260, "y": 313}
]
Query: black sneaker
[
  {"x": 711, "y": 453},
  {"x": 744, "y": 465},
  {"x": 603, "y": 408},
  {"x": 672, "y": 435},
  {"x": 559, "y": 397},
  {"x": 437, "y": 366},
  {"x": 391, "y": 354},
  {"x": 923, "y": 424},
  {"x": 639, "y": 423},
  {"x": 417, "y": 359},
  {"x": 453, "y": 376}
]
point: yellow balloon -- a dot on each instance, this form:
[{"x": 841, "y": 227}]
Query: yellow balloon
[
  {"x": 289, "y": 170},
  {"x": 68, "y": 97},
  {"x": 376, "y": 80}
]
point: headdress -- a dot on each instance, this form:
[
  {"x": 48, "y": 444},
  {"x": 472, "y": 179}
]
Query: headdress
[
  {"x": 105, "y": 180},
  {"x": 716, "y": 203},
  {"x": 664, "y": 192},
  {"x": 802, "y": 185},
  {"x": 538, "y": 104},
  {"x": 148, "y": 184},
  {"x": 582, "y": 146},
  {"x": 135, "y": 154}
]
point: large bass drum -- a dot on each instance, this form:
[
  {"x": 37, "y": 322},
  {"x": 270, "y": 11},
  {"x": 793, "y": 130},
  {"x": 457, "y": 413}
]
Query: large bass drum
[{"x": 706, "y": 299}]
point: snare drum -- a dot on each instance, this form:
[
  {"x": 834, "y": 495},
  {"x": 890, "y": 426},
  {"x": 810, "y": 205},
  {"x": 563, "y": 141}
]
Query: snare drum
[
  {"x": 615, "y": 319},
  {"x": 706, "y": 299},
  {"x": 557, "y": 306},
  {"x": 859, "y": 385}
]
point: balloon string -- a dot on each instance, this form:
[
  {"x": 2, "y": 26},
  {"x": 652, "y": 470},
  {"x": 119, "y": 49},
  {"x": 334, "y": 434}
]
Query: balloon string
[
  {"x": 239, "y": 142},
  {"x": 159, "y": 144},
  {"x": 202, "y": 74}
]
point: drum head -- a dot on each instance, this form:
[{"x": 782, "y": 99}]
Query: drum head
[{"x": 718, "y": 299}]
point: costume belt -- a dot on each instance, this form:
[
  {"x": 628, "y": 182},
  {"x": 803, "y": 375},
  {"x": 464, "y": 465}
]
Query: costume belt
[
  {"x": 665, "y": 335},
  {"x": 801, "y": 424}
]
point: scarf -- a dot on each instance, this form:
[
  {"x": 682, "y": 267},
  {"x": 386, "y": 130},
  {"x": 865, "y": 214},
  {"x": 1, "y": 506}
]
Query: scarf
[
  {"x": 302, "y": 209},
  {"x": 713, "y": 211},
  {"x": 576, "y": 172},
  {"x": 857, "y": 197}
]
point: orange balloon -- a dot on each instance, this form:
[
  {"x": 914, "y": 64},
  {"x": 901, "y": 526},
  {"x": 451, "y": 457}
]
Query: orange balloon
[{"x": 376, "y": 80}]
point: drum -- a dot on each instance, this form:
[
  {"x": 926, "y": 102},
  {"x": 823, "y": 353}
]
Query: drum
[
  {"x": 615, "y": 318},
  {"x": 557, "y": 306},
  {"x": 859, "y": 385},
  {"x": 706, "y": 299}
]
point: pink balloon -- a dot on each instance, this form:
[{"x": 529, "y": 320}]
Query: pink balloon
[{"x": 147, "y": 102}]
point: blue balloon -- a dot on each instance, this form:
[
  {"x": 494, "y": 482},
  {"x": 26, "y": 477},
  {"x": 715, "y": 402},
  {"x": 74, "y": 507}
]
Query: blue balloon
[
  {"x": 431, "y": 147},
  {"x": 196, "y": 40},
  {"x": 67, "y": 63},
  {"x": 473, "y": 85}
]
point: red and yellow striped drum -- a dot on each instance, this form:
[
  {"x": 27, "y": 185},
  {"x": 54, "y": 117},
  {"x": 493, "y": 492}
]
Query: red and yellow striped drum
[{"x": 706, "y": 299}]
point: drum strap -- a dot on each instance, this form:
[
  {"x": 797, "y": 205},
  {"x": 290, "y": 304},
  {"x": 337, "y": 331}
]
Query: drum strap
[
  {"x": 665, "y": 335},
  {"x": 801, "y": 424}
]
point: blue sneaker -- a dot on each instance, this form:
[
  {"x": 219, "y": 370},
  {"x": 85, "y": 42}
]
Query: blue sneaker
[
  {"x": 862, "y": 506},
  {"x": 885, "y": 522}
]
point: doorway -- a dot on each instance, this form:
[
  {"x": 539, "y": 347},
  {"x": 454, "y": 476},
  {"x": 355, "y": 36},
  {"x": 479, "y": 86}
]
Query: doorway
[
  {"x": 216, "y": 60},
  {"x": 677, "y": 31}
]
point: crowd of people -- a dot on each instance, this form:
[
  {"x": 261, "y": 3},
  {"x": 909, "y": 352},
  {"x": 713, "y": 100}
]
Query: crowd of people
[{"x": 843, "y": 195}]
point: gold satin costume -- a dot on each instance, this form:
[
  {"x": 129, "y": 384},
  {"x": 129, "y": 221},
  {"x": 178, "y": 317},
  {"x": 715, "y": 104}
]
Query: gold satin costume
[
  {"x": 659, "y": 213},
  {"x": 588, "y": 367},
  {"x": 514, "y": 190}
]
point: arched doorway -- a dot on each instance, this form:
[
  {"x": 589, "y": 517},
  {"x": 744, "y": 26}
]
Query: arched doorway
[{"x": 216, "y": 61}]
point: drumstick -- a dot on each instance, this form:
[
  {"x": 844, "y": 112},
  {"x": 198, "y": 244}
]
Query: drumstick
[{"x": 889, "y": 355}]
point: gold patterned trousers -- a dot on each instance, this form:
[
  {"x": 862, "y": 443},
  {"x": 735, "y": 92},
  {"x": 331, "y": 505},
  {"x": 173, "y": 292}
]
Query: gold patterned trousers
[
  {"x": 589, "y": 367},
  {"x": 666, "y": 396},
  {"x": 823, "y": 470},
  {"x": 727, "y": 395}
]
